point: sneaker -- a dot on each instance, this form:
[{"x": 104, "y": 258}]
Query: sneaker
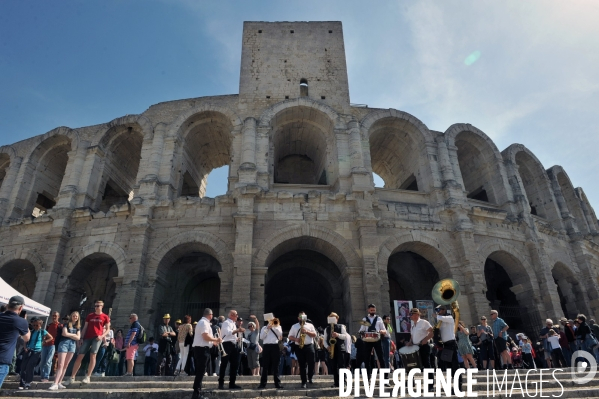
[
  {"x": 103, "y": 374},
  {"x": 96, "y": 374},
  {"x": 68, "y": 381},
  {"x": 53, "y": 387},
  {"x": 45, "y": 380},
  {"x": 61, "y": 386},
  {"x": 85, "y": 380},
  {"x": 214, "y": 375}
]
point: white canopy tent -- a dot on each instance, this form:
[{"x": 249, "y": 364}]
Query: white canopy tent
[{"x": 31, "y": 306}]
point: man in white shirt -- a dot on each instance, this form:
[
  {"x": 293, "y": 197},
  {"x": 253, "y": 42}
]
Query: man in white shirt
[
  {"x": 343, "y": 341},
  {"x": 447, "y": 330},
  {"x": 305, "y": 355},
  {"x": 151, "y": 350},
  {"x": 228, "y": 333},
  {"x": 376, "y": 325},
  {"x": 270, "y": 336},
  {"x": 202, "y": 342},
  {"x": 421, "y": 332}
]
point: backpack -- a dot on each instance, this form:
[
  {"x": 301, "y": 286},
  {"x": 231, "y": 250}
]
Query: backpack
[{"x": 142, "y": 336}]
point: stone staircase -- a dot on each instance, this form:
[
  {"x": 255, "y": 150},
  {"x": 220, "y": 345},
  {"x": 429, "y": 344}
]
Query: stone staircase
[{"x": 181, "y": 387}]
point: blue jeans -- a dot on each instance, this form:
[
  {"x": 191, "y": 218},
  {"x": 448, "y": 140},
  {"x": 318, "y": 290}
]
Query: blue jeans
[
  {"x": 3, "y": 372},
  {"x": 99, "y": 368},
  {"x": 46, "y": 362},
  {"x": 386, "y": 344}
]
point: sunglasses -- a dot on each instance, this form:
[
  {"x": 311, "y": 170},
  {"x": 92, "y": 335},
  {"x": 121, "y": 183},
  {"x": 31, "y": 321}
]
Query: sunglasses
[{"x": 97, "y": 306}]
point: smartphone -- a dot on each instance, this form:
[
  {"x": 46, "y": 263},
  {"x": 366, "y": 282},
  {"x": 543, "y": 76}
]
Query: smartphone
[{"x": 23, "y": 314}]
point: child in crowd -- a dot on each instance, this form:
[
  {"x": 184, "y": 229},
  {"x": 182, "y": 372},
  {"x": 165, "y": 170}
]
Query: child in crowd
[{"x": 556, "y": 349}]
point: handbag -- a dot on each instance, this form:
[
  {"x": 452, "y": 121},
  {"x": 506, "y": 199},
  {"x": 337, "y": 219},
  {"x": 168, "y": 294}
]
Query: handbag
[
  {"x": 114, "y": 357},
  {"x": 281, "y": 344}
]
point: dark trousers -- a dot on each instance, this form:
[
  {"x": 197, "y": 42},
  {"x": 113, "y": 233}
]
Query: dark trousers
[
  {"x": 270, "y": 361},
  {"x": 150, "y": 365},
  {"x": 557, "y": 356},
  {"x": 454, "y": 365},
  {"x": 201, "y": 354},
  {"x": 336, "y": 363},
  {"x": 233, "y": 358},
  {"x": 305, "y": 357},
  {"x": 30, "y": 360},
  {"x": 164, "y": 364},
  {"x": 425, "y": 356},
  {"x": 378, "y": 348}
]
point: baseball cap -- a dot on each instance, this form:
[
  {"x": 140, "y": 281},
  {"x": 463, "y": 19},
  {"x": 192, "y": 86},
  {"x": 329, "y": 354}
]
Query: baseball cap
[{"x": 16, "y": 300}]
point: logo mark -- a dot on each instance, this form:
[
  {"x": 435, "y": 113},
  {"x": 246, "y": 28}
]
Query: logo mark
[{"x": 576, "y": 371}]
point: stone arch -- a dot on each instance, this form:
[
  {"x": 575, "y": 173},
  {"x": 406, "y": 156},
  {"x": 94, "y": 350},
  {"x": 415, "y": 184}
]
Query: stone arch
[
  {"x": 7, "y": 157},
  {"x": 524, "y": 284},
  {"x": 20, "y": 268},
  {"x": 177, "y": 127},
  {"x": 72, "y": 134},
  {"x": 316, "y": 258},
  {"x": 570, "y": 203},
  {"x": 399, "y": 146},
  {"x": 9, "y": 151},
  {"x": 534, "y": 182},
  {"x": 479, "y": 164},
  {"x": 103, "y": 137},
  {"x": 337, "y": 248},
  {"x": 572, "y": 293},
  {"x": 213, "y": 245},
  {"x": 268, "y": 114},
  {"x": 103, "y": 247}
]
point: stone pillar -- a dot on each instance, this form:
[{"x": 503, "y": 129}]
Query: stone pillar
[
  {"x": 247, "y": 169},
  {"x": 355, "y": 147},
  {"x": 372, "y": 282},
  {"x": 91, "y": 177},
  {"x": 588, "y": 263},
  {"x": 567, "y": 217},
  {"x": 257, "y": 292},
  {"x": 8, "y": 184},
  {"x": 263, "y": 156},
  {"x": 45, "y": 288},
  {"x": 547, "y": 299},
  {"x": 242, "y": 257},
  {"x": 68, "y": 194}
]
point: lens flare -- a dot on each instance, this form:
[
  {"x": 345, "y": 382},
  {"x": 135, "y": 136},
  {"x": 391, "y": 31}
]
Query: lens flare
[{"x": 472, "y": 58}]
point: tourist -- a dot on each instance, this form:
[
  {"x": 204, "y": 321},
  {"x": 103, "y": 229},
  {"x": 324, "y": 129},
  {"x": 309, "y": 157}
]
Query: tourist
[
  {"x": 184, "y": 333},
  {"x": 11, "y": 327},
  {"x": 556, "y": 350},
  {"x": 165, "y": 346},
  {"x": 544, "y": 334},
  {"x": 527, "y": 357},
  {"x": 151, "y": 351},
  {"x": 215, "y": 354},
  {"x": 584, "y": 335},
  {"x": 119, "y": 345},
  {"x": 131, "y": 343},
  {"x": 486, "y": 345},
  {"x": 102, "y": 358},
  {"x": 500, "y": 327},
  {"x": 320, "y": 368},
  {"x": 96, "y": 327},
  {"x": 48, "y": 347},
  {"x": 464, "y": 346},
  {"x": 67, "y": 347},
  {"x": 33, "y": 352},
  {"x": 253, "y": 349}
]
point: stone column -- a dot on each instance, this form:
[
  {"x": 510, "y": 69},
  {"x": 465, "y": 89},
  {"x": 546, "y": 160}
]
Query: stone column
[
  {"x": 355, "y": 147},
  {"x": 8, "y": 184},
  {"x": 567, "y": 217},
  {"x": 68, "y": 194},
  {"x": 263, "y": 156},
  {"x": 372, "y": 282},
  {"x": 242, "y": 257},
  {"x": 257, "y": 292},
  {"x": 90, "y": 178},
  {"x": 247, "y": 169}
]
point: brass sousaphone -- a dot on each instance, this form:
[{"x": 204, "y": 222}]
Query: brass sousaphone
[{"x": 446, "y": 292}]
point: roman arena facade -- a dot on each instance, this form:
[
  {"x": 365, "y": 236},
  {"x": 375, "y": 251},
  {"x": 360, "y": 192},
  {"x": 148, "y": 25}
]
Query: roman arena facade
[{"x": 118, "y": 211}]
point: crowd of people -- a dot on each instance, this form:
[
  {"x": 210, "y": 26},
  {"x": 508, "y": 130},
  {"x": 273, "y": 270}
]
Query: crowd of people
[{"x": 224, "y": 346}]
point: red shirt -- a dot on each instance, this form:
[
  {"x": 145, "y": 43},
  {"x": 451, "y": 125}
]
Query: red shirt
[
  {"x": 95, "y": 325},
  {"x": 52, "y": 329}
]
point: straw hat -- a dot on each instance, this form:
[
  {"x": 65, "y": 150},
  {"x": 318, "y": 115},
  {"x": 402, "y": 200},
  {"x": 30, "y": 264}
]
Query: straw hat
[{"x": 166, "y": 316}]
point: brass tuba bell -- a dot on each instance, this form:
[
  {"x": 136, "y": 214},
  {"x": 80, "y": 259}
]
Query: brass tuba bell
[{"x": 446, "y": 292}]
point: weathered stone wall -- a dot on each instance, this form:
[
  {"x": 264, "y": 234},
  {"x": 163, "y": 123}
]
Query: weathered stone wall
[{"x": 165, "y": 238}]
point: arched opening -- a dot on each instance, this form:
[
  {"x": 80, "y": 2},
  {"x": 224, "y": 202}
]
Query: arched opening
[
  {"x": 378, "y": 181},
  {"x": 92, "y": 279},
  {"x": 411, "y": 277},
  {"x": 300, "y": 146},
  {"x": 19, "y": 274},
  {"x": 303, "y": 280},
  {"x": 122, "y": 146},
  {"x": 571, "y": 298},
  {"x": 187, "y": 282},
  {"x": 4, "y": 164},
  {"x": 509, "y": 291},
  {"x": 396, "y": 154},
  {"x": 478, "y": 167},
  {"x": 48, "y": 164},
  {"x": 572, "y": 202},
  {"x": 206, "y": 147},
  {"x": 216, "y": 183},
  {"x": 303, "y": 87},
  {"x": 535, "y": 183}
]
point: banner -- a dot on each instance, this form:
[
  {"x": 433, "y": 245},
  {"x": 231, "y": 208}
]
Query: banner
[
  {"x": 427, "y": 311},
  {"x": 402, "y": 316}
]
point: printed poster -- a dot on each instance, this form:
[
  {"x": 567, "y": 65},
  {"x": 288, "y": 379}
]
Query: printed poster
[
  {"x": 427, "y": 311},
  {"x": 402, "y": 316}
]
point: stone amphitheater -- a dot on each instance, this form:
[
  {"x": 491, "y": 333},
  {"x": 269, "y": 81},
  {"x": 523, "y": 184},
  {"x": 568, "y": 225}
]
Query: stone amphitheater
[{"x": 118, "y": 211}]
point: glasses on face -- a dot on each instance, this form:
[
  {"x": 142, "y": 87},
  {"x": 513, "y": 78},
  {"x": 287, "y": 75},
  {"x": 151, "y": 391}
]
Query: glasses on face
[{"x": 98, "y": 306}]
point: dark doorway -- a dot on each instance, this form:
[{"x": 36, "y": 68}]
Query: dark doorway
[
  {"x": 20, "y": 275},
  {"x": 501, "y": 297},
  {"x": 304, "y": 280}
]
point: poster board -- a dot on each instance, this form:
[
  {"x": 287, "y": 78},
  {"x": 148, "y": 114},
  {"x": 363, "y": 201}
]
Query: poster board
[
  {"x": 402, "y": 316},
  {"x": 427, "y": 311}
]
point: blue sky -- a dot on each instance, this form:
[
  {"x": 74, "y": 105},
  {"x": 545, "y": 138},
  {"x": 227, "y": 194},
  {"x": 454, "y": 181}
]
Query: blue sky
[{"x": 535, "y": 81}]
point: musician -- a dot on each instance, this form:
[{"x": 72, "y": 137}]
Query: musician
[
  {"x": 339, "y": 353},
  {"x": 270, "y": 336},
  {"x": 376, "y": 325},
  {"x": 229, "y": 332},
  {"x": 202, "y": 341},
  {"x": 305, "y": 355},
  {"x": 421, "y": 333},
  {"x": 447, "y": 330}
]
